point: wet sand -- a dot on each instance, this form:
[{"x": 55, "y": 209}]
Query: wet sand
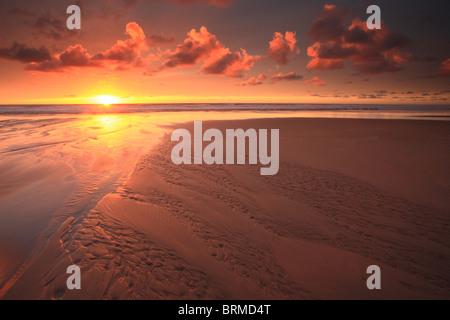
[{"x": 349, "y": 193}]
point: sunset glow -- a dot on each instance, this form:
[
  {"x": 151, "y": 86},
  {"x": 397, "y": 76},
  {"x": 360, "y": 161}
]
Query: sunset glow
[
  {"x": 135, "y": 53},
  {"x": 107, "y": 100}
]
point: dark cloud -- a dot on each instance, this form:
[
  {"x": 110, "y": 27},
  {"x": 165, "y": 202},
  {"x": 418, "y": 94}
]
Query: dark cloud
[
  {"x": 50, "y": 27},
  {"x": 329, "y": 25},
  {"x": 376, "y": 94},
  {"x": 43, "y": 24},
  {"x": 371, "y": 51},
  {"x": 20, "y": 52},
  {"x": 73, "y": 56},
  {"x": 368, "y": 96}
]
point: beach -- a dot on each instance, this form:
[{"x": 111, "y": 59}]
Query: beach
[{"x": 349, "y": 193}]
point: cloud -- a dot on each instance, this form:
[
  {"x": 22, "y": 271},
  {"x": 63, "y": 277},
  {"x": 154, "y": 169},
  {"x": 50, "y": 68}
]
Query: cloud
[
  {"x": 43, "y": 24},
  {"x": 262, "y": 77},
  {"x": 20, "y": 52},
  {"x": 292, "y": 76},
  {"x": 230, "y": 64},
  {"x": 197, "y": 46},
  {"x": 73, "y": 56},
  {"x": 368, "y": 96},
  {"x": 50, "y": 27},
  {"x": 316, "y": 82},
  {"x": 329, "y": 25},
  {"x": 121, "y": 55},
  {"x": 203, "y": 47},
  {"x": 253, "y": 81},
  {"x": 377, "y": 94},
  {"x": 128, "y": 51},
  {"x": 444, "y": 68},
  {"x": 283, "y": 48},
  {"x": 371, "y": 51}
]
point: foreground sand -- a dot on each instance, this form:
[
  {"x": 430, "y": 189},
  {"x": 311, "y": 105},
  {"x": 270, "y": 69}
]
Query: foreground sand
[{"x": 349, "y": 194}]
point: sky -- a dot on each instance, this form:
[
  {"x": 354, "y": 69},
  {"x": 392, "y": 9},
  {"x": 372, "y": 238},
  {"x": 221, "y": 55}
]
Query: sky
[{"x": 225, "y": 51}]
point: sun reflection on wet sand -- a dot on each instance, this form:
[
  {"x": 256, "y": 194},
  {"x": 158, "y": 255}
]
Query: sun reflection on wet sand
[{"x": 59, "y": 167}]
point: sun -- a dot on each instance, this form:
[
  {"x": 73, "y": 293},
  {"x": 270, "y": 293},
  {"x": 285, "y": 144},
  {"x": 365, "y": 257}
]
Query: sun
[{"x": 107, "y": 100}]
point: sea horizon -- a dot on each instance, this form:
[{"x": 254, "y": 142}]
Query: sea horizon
[{"x": 303, "y": 110}]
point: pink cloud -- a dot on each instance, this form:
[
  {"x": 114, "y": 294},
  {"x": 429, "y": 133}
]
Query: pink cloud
[
  {"x": 128, "y": 51},
  {"x": 196, "y": 47},
  {"x": 262, "y": 77},
  {"x": 283, "y": 48},
  {"x": 315, "y": 82},
  {"x": 254, "y": 81},
  {"x": 291, "y": 76},
  {"x": 371, "y": 51},
  {"x": 203, "y": 47},
  {"x": 120, "y": 56},
  {"x": 230, "y": 64}
]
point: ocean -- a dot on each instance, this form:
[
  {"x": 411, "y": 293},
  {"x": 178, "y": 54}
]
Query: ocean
[{"x": 362, "y": 111}]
